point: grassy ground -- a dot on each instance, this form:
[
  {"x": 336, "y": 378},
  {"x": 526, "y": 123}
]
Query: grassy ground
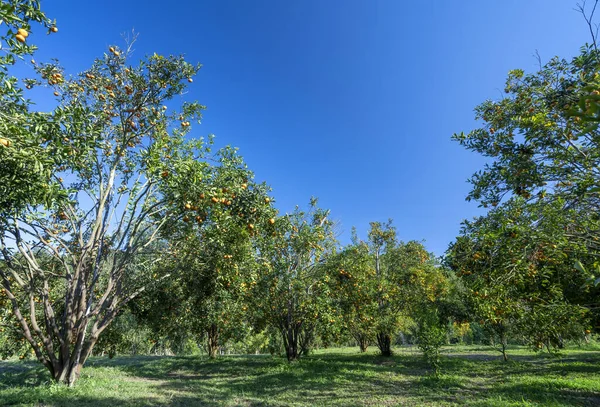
[{"x": 471, "y": 376}]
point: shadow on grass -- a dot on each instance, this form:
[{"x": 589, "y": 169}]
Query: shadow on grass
[{"x": 323, "y": 379}]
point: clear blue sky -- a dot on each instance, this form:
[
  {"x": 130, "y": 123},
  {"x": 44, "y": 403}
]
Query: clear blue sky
[{"x": 352, "y": 101}]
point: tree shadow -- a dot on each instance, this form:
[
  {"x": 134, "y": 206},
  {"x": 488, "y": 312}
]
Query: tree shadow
[{"x": 322, "y": 379}]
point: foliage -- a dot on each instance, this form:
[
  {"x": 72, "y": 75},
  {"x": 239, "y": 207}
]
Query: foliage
[
  {"x": 26, "y": 163},
  {"x": 517, "y": 265},
  {"x": 350, "y": 277},
  {"x": 431, "y": 335},
  {"x": 542, "y": 141},
  {"x": 212, "y": 269},
  {"x": 290, "y": 294}
]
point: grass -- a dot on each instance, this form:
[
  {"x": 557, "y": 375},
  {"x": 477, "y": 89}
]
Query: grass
[{"x": 472, "y": 376}]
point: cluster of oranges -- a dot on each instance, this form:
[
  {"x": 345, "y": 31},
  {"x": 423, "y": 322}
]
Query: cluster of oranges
[
  {"x": 114, "y": 51},
  {"x": 22, "y": 34}
]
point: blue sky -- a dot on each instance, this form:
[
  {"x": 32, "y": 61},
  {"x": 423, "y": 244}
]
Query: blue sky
[{"x": 352, "y": 101}]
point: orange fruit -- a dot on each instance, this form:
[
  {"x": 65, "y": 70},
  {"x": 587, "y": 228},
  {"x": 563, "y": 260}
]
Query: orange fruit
[
  {"x": 54, "y": 29},
  {"x": 5, "y": 142},
  {"x": 20, "y": 38},
  {"x": 23, "y": 32}
]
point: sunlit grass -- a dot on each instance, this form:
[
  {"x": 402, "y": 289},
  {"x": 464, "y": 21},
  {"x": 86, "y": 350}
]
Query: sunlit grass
[{"x": 473, "y": 376}]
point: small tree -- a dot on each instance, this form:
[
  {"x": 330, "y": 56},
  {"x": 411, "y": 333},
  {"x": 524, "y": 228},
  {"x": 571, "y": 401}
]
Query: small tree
[
  {"x": 431, "y": 335},
  {"x": 517, "y": 263},
  {"x": 354, "y": 288},
  {"x": 291, "y": 294},
  {"x": 212, "y": 272}
]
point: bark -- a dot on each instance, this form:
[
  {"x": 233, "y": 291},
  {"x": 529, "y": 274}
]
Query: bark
[
  {"x": 362, "y": 340},
  {"x": 384, "y": 343},
  {"x": 213, "y": 341},
  {"x": 504, "y": 345},
  {"x": 290, "y": 334},
  {"x": 306, "y": 339}
]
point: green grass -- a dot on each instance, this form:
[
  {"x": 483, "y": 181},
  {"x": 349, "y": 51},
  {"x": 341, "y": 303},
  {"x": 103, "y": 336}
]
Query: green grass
[{"x": 472, "y": 376}]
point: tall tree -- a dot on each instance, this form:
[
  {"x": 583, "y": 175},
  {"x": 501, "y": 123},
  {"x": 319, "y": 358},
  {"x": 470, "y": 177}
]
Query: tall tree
[{"x": 127, "y": 172}]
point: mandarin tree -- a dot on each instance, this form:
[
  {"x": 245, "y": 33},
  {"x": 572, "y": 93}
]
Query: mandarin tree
[
  {"x": 212, "y": 268},
  {"x": 291, "y": 295},
  {"x": 128, "y": 171},
  {"x": 517, "y": 263}
]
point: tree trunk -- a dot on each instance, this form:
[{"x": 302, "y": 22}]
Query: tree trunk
[
  {"x": 290, "y": 342},
  {"x": 363, "y": 341},
  {"x": 291, "y": 352},
  {"x": 306, "y": 339},
  {"x": 504, "y": 345},
  {"x": 67, "y": 368},
  {"x": 213, "y": 341},
  {"x": 384, "y": 343}
]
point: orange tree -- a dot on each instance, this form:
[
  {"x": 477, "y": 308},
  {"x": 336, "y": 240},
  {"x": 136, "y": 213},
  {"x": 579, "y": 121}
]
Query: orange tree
[
  {"x": 25, "y": 161},
  {"x": 353, "y": 286},
  {"x": 517, "y": 263},
  {"x": 393, "y": 262},
  {"x": 212, "y": 267},
  {"x": 541, "y": 139},
  {"x": 290, "y": 294},
  {"x": 127, "y": 171},
  {"x": 428, "y": 298},
  {"x": 373, "y": 283}
]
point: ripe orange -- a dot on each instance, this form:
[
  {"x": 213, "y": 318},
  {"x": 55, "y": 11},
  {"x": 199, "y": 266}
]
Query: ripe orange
[
  {"x": 271, "y": 221},
  {"x": 20, "y": 38},
  {"x": 5, "y": 142},
  {"x": 54, "y": 29},
  {"x": 23, "y": 32}
]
